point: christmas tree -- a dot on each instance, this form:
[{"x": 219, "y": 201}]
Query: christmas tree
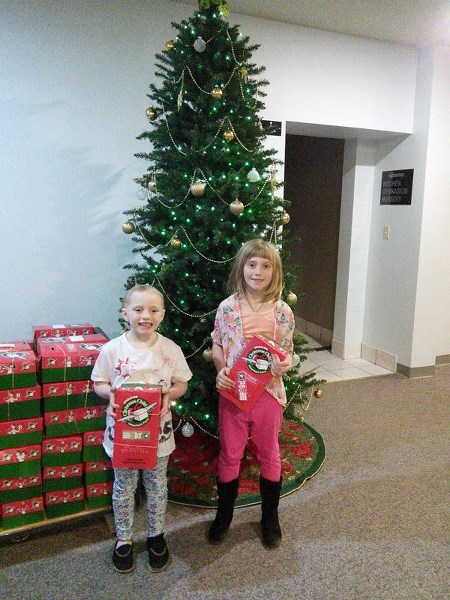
[{"x": 210, "y": 185}]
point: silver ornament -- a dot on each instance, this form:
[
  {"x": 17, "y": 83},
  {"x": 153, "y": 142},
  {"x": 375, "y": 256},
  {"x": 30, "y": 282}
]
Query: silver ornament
[
  {"x": 200, "y": 44},
  {"x": 187, "y": 430}
]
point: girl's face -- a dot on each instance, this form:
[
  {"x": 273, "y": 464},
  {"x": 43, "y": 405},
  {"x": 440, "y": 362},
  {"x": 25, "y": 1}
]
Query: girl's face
[
  {"x": 258, "y": 274},
  {"x": 144, "y": 311}
]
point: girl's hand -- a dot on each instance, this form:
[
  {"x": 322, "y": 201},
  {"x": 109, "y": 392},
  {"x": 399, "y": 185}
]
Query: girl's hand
[
  {"x": 112, "y": 406},
  {"x": 222, "y": 379},
  {"x": 279, "y": 367}
]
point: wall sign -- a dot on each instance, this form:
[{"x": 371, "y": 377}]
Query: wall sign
[
  {"x": 396, "y": 187},
  {"x": 271, "y": 127}
]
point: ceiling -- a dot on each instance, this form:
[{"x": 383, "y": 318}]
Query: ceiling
[{"x": 412, "y": 22}]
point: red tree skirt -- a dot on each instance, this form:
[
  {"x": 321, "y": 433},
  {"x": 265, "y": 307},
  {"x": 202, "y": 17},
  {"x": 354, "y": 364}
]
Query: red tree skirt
[{"x": 192, "y": 468}]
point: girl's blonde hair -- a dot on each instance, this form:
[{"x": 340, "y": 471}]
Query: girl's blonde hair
[
  {"x": 261, "y": 249},
  {"x": 145, "y": 287}
]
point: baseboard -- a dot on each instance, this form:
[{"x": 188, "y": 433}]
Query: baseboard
[
  {"x": 444, "y": 359},
  {"x": 316, "y": 332},
  {"x": 414, "y": 372}
]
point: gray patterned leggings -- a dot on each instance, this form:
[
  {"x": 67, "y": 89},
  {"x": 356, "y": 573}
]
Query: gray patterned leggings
[{"x": 125, "y": 484}]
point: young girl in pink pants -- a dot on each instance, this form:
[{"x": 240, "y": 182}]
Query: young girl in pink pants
[{"x": 255, "y": 307}]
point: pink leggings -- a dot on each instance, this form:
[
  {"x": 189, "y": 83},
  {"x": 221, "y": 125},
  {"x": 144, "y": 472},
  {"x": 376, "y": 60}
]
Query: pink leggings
[{"x": 263, "y": 424}]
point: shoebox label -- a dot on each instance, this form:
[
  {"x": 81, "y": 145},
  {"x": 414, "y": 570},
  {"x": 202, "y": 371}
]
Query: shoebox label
[
  {"x": 137, "y": 426},
  {"x": 23, "y": 432},
  {"x": 61, "y": 450},
  {"x": 252, "y": 371},
  {"x": 20, "y": 403},
  {"x": 18, "y": 366}
]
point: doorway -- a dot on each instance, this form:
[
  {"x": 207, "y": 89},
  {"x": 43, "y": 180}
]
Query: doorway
[{"x": 313, "y": 185}]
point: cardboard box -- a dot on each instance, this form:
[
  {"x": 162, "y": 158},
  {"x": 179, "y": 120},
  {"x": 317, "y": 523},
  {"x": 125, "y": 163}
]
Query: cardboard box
[
  {"x": 18, "y": 366},
  {"x": 21, "y": 461},
  {"x": 20, "y": 488},
  {"x": 20, "y": 403},
  {"x": 93, "y": 446},
  {"x": 22, "y": 512},
  {"x": 70, "y": 360},
  {"x": 136, "y": 429},
  {"x": 24, "y": 432},
  {"x": 100, "y": 471},
  {"x": 74, "y": 421},
  {"x": 92, "y": 338},
  {"x": 251, "y": 372},
  {"x": 60, "y": 503},
  {"x": 63, "y": 477},
  {"x": 61, "y": 451},
  {"x": 64, "y": 395},
  {"x": 46, "y": 331},
  {"x": 99, "y": 494}
]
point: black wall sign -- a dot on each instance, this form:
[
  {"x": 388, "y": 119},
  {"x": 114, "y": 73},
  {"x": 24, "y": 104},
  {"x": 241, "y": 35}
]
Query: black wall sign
[
  {"x": 396, "y": 186},
  {"x": 271, "y": 127}
]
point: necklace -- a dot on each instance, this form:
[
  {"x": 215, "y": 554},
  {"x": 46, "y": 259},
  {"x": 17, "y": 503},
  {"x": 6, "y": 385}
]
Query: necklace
[{"x": 251, "y": 306}]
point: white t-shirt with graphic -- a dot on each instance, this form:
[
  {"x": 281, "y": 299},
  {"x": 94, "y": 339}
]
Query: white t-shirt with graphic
[{"x": 120, "y": 362}]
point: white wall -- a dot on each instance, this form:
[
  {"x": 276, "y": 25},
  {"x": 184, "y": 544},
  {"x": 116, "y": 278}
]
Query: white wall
[
  {"x": 408, "y": 294},
  {"x": 73, "y": 81}
]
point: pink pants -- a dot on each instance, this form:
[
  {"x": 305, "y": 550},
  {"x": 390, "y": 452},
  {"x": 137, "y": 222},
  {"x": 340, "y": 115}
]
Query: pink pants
[{"x": 263, "y": 424}]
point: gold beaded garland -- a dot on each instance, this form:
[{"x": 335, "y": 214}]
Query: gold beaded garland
[
  {"x": 128, "y": 227},
  {"x": 236, "y": 207}
]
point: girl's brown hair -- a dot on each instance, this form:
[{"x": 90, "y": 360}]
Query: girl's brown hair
[{"x": 261, "y": 249}]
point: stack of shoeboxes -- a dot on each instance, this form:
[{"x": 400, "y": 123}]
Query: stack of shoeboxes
[{"x": 44, "y": 469}]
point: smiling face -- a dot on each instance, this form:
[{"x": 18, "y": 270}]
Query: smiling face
[
  {"x": 258, "y": 274},
  {"x": 144, "y": 311}
]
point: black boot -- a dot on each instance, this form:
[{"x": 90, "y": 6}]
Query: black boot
[
  {"x": 227, "y": 493},
  {"x": 270, "y": 525}
]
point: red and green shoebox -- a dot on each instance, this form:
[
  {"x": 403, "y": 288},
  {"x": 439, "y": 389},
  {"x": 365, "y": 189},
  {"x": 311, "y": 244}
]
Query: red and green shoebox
[
  {"x": 20, "y": 403},
  {"x": 64, "y": 395},
  {"x": 60, "y": 503},
  {"x": 18, "y": 365},
  {"x": 22, "y": 512},
  {"x": 99, "y": 494},
  {"x": 51, "y": 331},
  {"x": 20, "y": 473},
  {"x": 71, "y": 360},
  {"x": 74, "y": 421},
  {"x": 98, "y": 471},
  {"x": 62, "y": 477},
  {"x": 21, "y": 432},
  {"x": 93, "y": 446},
  {"x": 61, "y": 450}
]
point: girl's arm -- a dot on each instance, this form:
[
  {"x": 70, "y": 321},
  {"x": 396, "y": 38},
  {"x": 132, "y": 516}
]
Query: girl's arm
[
  {"x": 177, "y": 389},
  {"x": 222, "y": 379}
]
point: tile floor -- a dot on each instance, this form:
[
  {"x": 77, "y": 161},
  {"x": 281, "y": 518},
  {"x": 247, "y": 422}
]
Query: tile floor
[{"x": 332, "y": 368}]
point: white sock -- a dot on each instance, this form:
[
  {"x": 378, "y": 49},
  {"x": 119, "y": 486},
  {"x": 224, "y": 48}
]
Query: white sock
[{"x": 123, "y": 542}]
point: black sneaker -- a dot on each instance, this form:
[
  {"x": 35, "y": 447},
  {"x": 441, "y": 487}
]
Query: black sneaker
[
  {"x": 123, "y": 558},
  {"x": 158, "y": 554}
]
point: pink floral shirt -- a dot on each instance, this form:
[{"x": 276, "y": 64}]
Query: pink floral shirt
[{"x": 228, "y": 333}]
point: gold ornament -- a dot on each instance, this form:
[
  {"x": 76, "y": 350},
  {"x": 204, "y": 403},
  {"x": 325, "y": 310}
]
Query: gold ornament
[
  {"x": 318, "y": 393},
  {"x": 228, "y": 135},
  {"x": 236, "y": 207},
  {"x": 291, "y": 299},
  {"x": 207, "y": 355},
  {"x": 170, "y": 45},
  {"x": 285, "y": 218},
  {"x": 175, "y": 242},
  {"x": 128, "y": 227},
  {"x": 198, "y": 188},
  {"x": 150, "y": 112},
  {"x": 216, "y": 92},
  {"x": 244, "y": 74}
]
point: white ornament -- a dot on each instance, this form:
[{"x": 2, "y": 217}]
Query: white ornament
[
  {"x": 200, "y": 44},
  {"x": 187, "y": 430},
  {"x": 253, "y": 175},
  {"x": 152, "y": 185},
  {"x": 141, "y": 195},
  {"x": 295, "y": 360},
  {"x": 240, "y": 37}
]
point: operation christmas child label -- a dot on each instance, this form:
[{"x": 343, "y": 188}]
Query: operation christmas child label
[
  {"x": 137, "y": 426},
  {"x": 252, "y": 371}
]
